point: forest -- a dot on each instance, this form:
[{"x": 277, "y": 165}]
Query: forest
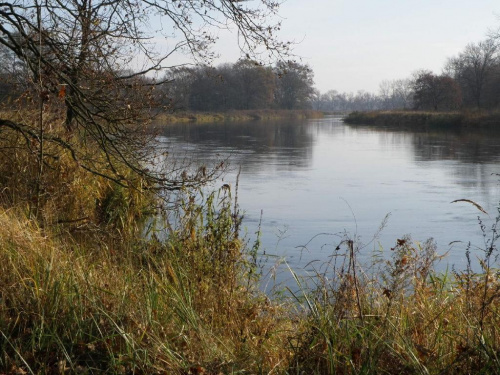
[{"x": 243, "y": 85}]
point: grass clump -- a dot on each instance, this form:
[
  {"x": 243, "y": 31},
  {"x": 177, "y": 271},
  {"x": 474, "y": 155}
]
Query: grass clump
[{"x": 401, "y": 316}]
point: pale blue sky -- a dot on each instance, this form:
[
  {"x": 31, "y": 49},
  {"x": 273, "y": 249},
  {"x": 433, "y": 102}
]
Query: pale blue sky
[{"x": 354, "y": 45}]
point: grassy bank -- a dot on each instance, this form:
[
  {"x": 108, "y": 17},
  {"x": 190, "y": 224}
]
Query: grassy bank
[
  {"x": 243, "y": 115},
  {"x": 86, "y": 287},
  {"x": 426, "y": 119}
]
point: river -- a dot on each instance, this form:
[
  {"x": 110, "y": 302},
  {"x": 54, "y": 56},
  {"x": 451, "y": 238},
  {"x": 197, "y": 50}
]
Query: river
[{"x": 318, "y": 181}]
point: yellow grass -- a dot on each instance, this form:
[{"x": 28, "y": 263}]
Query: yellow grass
[
  {"x": 248, "y": 115},
  {"x": 85, "y": 288}
]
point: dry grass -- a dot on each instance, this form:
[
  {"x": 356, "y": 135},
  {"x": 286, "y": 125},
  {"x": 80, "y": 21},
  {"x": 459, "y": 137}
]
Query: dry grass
[
  {"x": 182, "y": 305},
  {"x": 102, "y": 295},
  {"x": 465, "y": 119},
  {"x": 85, "y": 289},
  {"x": 402, "y": 317},
  {"x": 248, "y": 115},
  {"x": 406, "y": 118}
]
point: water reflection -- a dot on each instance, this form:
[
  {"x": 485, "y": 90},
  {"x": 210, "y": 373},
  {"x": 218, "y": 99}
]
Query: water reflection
[
  {"x": 476, "y": 153},
  {"x": 465, "y": 146},
  {"x": 284, "y": 144},
  {"x": 322, "y": 176}
]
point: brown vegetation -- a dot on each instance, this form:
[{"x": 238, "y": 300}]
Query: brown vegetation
[
  {"x": 90, "y": 285},
  {"x": 465, "y": 119},
  {"x": 241, "y": 115}
]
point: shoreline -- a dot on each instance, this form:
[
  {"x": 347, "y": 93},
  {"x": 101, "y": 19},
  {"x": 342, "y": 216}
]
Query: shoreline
[
  {"x": 235, "y": 115},
  {"x": 455, "y": 120}
]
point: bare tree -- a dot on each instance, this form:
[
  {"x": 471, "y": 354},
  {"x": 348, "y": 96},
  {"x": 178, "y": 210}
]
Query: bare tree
[
  {"x": 294, "y": 87},
  {"x": 435, "y": 92},
  {"x": 396, "y": 94},
  {"x": 403, "y": 93},
  {"x": 93, "y": 60},
  {"x": 473, "y": 68}
]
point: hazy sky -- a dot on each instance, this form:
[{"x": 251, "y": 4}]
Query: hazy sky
[{"x": 355, "y": 44}]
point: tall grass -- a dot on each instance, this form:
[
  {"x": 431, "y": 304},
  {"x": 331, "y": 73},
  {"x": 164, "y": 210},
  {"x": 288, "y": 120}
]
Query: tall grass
[
  {"x": 401, "y": 316},
  {"x": 147, "y": 307},
  {"x": 84, "y": 289}
]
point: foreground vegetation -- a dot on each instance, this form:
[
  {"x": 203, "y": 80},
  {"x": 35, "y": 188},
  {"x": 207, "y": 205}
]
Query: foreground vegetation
[
  {"x": 465, "y": 119},
  {"x": 88, "y": 286}
]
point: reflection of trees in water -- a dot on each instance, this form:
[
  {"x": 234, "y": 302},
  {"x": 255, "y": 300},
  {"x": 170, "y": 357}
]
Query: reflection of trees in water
[
  {"x": 475, "y": 152},
  {"x": 265, "y": 146},
  {"x": 466, "y": 148},
  {"x": 476, "y": 155},
  {"x": 287, "y": 143}
]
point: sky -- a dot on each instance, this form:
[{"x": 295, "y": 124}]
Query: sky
[{"x": 353, "y": 45}]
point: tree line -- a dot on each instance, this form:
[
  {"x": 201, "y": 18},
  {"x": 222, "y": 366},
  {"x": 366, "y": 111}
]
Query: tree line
[
  {"x": 396, "y": 94},
  {"x": 470, "y": 80},
  {"x": 243, "y": 85},
  {"x": 79, "y": 64}
]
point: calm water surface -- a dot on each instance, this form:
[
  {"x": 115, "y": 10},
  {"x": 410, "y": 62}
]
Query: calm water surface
[{"x": 316, "y": 180}]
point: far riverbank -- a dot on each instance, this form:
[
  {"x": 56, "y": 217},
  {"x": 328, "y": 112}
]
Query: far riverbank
[
  {"x": 241, "y": 115},
  {"x": 426, "y": 119}
]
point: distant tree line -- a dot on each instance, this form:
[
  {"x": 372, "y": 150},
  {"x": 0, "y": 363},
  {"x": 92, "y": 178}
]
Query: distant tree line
[
  {"x": 396, "y": 94},
  {"x": 13, "y": 75},
  {"x": 242, "y": 85},
  {"x": 470, "y": 80},
  {"x": 393, "y": 95}
]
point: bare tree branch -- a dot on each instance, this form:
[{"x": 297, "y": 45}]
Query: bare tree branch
[{"x": 86, "y": 52}]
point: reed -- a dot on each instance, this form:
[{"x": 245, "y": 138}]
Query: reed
[{"x": 407, "y": 118}]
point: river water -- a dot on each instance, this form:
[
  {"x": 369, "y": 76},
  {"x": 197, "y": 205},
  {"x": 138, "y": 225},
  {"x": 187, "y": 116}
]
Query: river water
[{"x": 316, "y": 181}]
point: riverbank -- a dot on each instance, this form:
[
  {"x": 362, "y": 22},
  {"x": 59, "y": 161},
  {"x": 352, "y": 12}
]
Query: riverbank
[
  {"x": 188, "y": 305},
  {"x": 83, "y": 290},
  {"x": 243, "y": 115},
  {"x": 426, "y": 119}
]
